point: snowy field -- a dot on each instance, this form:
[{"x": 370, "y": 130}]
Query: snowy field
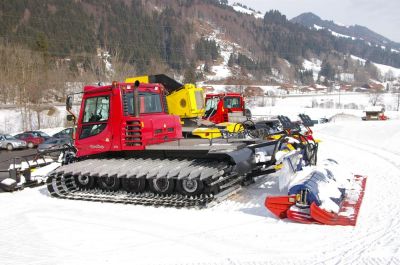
[
  {"x": 351, "y": 103},
  {"x": 38, "y": 229}
]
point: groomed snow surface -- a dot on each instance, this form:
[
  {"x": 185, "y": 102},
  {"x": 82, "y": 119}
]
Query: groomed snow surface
[{"x": 38, "y": 229}]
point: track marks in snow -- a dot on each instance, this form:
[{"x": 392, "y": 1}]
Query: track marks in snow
[
  {"x": 238, "y": 231},
  {"x": 377, "y": 229}
]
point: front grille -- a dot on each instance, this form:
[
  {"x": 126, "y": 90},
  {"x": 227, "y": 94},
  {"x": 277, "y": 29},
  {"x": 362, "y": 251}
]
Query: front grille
[{"x": 133, "y": 133}]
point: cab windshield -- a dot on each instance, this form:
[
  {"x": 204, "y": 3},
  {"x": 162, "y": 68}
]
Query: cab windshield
[{"x": 231, "y": 102}]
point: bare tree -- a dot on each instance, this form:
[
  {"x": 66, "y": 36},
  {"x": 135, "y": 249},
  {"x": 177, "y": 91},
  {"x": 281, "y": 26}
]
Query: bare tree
[
  {"x": 375, "y": 97},
  {"x": 396, "y": 94}
]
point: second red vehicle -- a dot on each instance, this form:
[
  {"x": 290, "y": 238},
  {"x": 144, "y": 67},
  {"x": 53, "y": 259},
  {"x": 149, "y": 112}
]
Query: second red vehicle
[{"x": 31, "y": 139}]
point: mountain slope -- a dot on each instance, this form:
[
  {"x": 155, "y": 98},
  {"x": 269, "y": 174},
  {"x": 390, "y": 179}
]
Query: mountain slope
[
  {"x": 184, "y": 37},
  {"x": 311, "y": 20}
]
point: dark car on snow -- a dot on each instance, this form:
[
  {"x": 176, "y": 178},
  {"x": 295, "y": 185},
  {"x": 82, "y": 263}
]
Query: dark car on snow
[
  {"x": 54, "y": 144},
  {"x": 66, "y": 133}
]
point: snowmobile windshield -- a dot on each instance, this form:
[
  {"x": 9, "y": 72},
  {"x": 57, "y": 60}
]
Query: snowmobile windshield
[{"x": 148, "y": 103}]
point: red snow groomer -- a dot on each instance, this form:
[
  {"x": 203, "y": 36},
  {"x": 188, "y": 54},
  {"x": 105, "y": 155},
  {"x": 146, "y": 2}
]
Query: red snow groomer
[{"x": 323, "y": 195}]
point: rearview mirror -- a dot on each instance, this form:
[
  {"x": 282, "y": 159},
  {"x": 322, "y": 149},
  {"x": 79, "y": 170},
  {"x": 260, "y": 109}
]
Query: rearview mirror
[
  {"x": 70, "y": 117},
  {"x": 69, "y": 102}
]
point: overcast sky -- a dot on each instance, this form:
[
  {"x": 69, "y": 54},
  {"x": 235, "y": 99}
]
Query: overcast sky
[{"x": 381, "y": 16}]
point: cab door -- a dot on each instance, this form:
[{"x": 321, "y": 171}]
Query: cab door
[{"x": 94, "y": 134}]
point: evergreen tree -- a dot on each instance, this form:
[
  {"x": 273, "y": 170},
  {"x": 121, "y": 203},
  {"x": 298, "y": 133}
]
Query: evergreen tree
[
  {"x": 190, "y": 74},
  {"x": 231, "y": 60},
  {"x": 327, "y": 71}
]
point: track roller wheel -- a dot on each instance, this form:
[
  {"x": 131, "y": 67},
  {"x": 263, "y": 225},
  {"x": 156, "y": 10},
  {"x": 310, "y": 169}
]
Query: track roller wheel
[
  {"x": 190, "y": 187},
  {"x": 84, "y": 181},
  {"x": 162, "y": 185},
  {"x": 133, "y": 185},
  {"x": 109, "y": 183}
]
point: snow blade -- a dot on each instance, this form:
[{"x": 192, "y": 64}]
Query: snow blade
[
  {"x": 320, "y": 197},
  {"x": 348, "y": 211},
  {"x": 301, "y": 215},
  {"x": 280, "y": 205}
]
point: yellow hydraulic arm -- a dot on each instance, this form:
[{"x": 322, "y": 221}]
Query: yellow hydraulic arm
[{"x": 183, "y": 100}]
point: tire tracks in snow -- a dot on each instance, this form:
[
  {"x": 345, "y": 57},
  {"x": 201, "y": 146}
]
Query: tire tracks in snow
[{"x": 375, "y": 236}]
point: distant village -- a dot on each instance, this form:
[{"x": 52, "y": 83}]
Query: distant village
[{"x": 286, "y": 88}]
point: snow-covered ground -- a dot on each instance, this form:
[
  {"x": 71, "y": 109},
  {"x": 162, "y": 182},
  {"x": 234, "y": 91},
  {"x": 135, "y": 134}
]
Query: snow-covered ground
[
  {"x": 242, "y": 9},
  {"x": 221, "y": 71},
  {"x": 278, "y": 102},
  {"x": 314, "y": 66},
  {"x": 11, "y": 120},
  {"x": 38, "y": 229}
]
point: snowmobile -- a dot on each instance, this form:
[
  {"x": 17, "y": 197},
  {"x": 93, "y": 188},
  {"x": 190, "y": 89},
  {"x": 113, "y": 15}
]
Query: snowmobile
[{"x": 304, "y": 141}]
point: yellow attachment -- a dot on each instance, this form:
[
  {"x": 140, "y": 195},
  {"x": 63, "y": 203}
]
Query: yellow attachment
[
  {"x": 278, "y": 167},
  {"x": 214, "y": 132},
  {"x": 141, "y": 79},
  {"x": 207, "y": 133},
  {"x": 275, "y": 136},
  {"x": 187, "y": 102},
  {"x": 290, "y": 147},
  {"x": 231, "y": 126}
]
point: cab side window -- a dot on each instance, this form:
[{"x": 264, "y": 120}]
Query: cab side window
[
  {"x": 96, "y": 109},
  {"x": 95, "y": 116}
]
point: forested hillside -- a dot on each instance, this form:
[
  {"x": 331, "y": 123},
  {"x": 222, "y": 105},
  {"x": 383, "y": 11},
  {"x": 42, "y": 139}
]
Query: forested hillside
[{"x": 48, "y": 46}]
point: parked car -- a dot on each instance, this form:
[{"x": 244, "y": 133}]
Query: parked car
[
  {"x": 44, "y": 135},
  {"x": 30, "y": 139},
  {"x": 10, "y": 142},
  {"x": 66, "y": 133},
  {"x": 54, "y": 143}
]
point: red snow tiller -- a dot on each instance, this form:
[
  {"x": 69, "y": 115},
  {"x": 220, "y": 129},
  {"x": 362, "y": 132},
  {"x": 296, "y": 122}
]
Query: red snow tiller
[{"x": 323, "y": 194}]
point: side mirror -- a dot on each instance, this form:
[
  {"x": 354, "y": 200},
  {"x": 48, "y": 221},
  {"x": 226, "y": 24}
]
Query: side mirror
[
  {"x": 70, "y": 117},
  {"x": 69, "y": 102}
]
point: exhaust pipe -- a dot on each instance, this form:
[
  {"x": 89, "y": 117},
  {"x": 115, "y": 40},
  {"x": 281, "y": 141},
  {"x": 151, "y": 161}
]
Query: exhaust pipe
[{"x": 136, "y": 98}]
